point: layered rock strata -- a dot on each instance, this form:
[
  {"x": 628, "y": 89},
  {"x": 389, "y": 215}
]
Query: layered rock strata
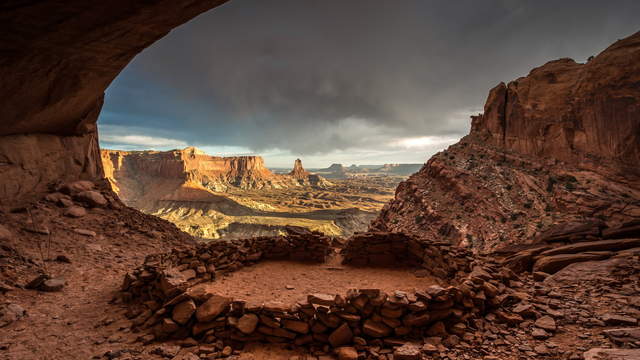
[
  {"x": 129, "y": 171},
  {"x": 568, "y": 244},
  {"x": 559, "y": 145}
]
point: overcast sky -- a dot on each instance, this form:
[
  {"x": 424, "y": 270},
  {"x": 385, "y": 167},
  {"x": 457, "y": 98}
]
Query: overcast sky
[{"x": 349, "y": 81}]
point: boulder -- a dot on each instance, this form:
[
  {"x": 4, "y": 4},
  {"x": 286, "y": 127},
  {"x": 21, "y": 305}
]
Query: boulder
[
  {"x": 611, "y": 354},
  {"x": 375, "y": 329},
  {"x": 200, "y": 292},
  {"x": 212, "y": 308},
  {"x": 183, "y": 311},
  {"x": 75, "y": 211},
  {"x": 602, "y": 245},
  {"x": 546, "y": 323},
  {"x": 347, "y": 353},
  {"x": 614, "y": 319},
  {"x": 341, "y": 336},
  {"x": 53, "y": 285},
  {"x": 554, "y": 263},
  {"x": 624, "y": 335},
  {"x": 91, "y": 198},
  {"x": 75, "y": 187},
  {"x": 301, "y": 327},
  {"x": 247, "y": 323}
]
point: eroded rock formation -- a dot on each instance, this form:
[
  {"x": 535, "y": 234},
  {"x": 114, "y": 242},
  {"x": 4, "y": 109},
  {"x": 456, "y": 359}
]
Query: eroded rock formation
[
  {"x": 559, "y": 145},
  {"x": 57, "y": 60},
  {"x": 305, "y": 178},
  {"x": 170, "y": 173}
]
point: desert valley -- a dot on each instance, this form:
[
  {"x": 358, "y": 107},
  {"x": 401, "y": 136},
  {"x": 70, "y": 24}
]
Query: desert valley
[
  {"x": 235, "y": 197},
  {"x": 521, "y": 240}
]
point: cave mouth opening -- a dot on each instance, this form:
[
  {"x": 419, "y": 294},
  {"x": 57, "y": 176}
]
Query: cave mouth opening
[{"x": 172, "y": 145}]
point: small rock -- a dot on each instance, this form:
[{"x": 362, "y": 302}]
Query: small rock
[
  {"x": 36, "y": 282},
  {"x": 347, "y": 353},
  {"x": 85, "y": 232},
  {"x": 407, "y": 352},
  {"x": 321, "y": 299},
  {"x": 541, "y": 349},
  {"x": 63, "y": 258},
  {"x": 341, "y": 336},
  {"x": 375, "y": 329},
  {"x": 547, "y": 323},
  {"x": 75, "y": 211},
  {"x": 5, "y": 234},
  {"x": 247, "y": 323},
  {"x": 213, "y": 307},
  {"x": 227, "y": 351},
  {"x": 53, "y": 285},
  {"x": 183, "y": 311},
  {"x": 10, "y": 313},
  {"x": 289, "y": 287},
  {"x": 525, "y": 310},
  {"x": 437, "y": 329},
  {"x": 539, "y": 334},
  {"x": 92, "y": 198},
  {"x": 167, "y": 351}
]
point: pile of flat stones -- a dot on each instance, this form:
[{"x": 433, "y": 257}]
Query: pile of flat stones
[
  {"x": 164, "y": 275},
  {"x": 388, "y": 249},
  {"x": 363, "y": 323},
  {"x": 570, "y": 243}
]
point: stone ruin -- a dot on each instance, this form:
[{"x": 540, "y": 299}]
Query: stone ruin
[
  {"x": 169, "y": 299},
  {"x": 384, "y": 249}
]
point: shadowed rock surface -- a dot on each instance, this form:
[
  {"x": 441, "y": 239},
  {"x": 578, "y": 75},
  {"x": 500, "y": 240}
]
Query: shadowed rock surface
[
  {"x": 559, "y": 145},
  {"x": 57, "y": 60}
]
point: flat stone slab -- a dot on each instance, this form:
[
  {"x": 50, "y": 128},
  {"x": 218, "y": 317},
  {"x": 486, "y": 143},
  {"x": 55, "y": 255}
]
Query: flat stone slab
[
  {"x": 554, "y": 263},
  {"x": 612, "y": 354},
  {"x": 602, "y": 245}
]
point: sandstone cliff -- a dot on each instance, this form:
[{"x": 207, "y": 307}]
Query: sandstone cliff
[
  {"x": 559, "y": 145},
  {"x": 133, "y": 173}
]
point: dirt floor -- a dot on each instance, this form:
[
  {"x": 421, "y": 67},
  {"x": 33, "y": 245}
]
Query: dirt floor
[
  {"x": 289, "y": 282},
  {"x": 80, "y": 322}
]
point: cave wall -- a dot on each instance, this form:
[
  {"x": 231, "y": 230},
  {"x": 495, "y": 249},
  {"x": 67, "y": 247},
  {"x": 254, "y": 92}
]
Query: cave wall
[{"x": 57, "y": 59}]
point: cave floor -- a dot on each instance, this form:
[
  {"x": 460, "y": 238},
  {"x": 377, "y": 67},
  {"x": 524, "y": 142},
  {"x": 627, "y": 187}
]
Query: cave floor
[{"x": 289, "y": 282}]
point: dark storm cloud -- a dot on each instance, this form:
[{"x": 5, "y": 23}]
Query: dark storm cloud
[{"x": 314, "y": 76}]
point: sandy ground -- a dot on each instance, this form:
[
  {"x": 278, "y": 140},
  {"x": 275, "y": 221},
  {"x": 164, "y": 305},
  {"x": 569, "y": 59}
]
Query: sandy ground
[{"x": 289, "y": 282}]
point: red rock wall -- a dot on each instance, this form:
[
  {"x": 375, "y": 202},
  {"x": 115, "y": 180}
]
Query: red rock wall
[
  {"x": 57, "y": 60},
  {"x": 559, "y": 145},
  {"x": 580, "y": 113}
]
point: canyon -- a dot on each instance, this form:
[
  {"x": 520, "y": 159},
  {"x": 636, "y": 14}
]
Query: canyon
[
  {"x": 520, "y": 241},
  {"x": 231, "y": 197}
]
